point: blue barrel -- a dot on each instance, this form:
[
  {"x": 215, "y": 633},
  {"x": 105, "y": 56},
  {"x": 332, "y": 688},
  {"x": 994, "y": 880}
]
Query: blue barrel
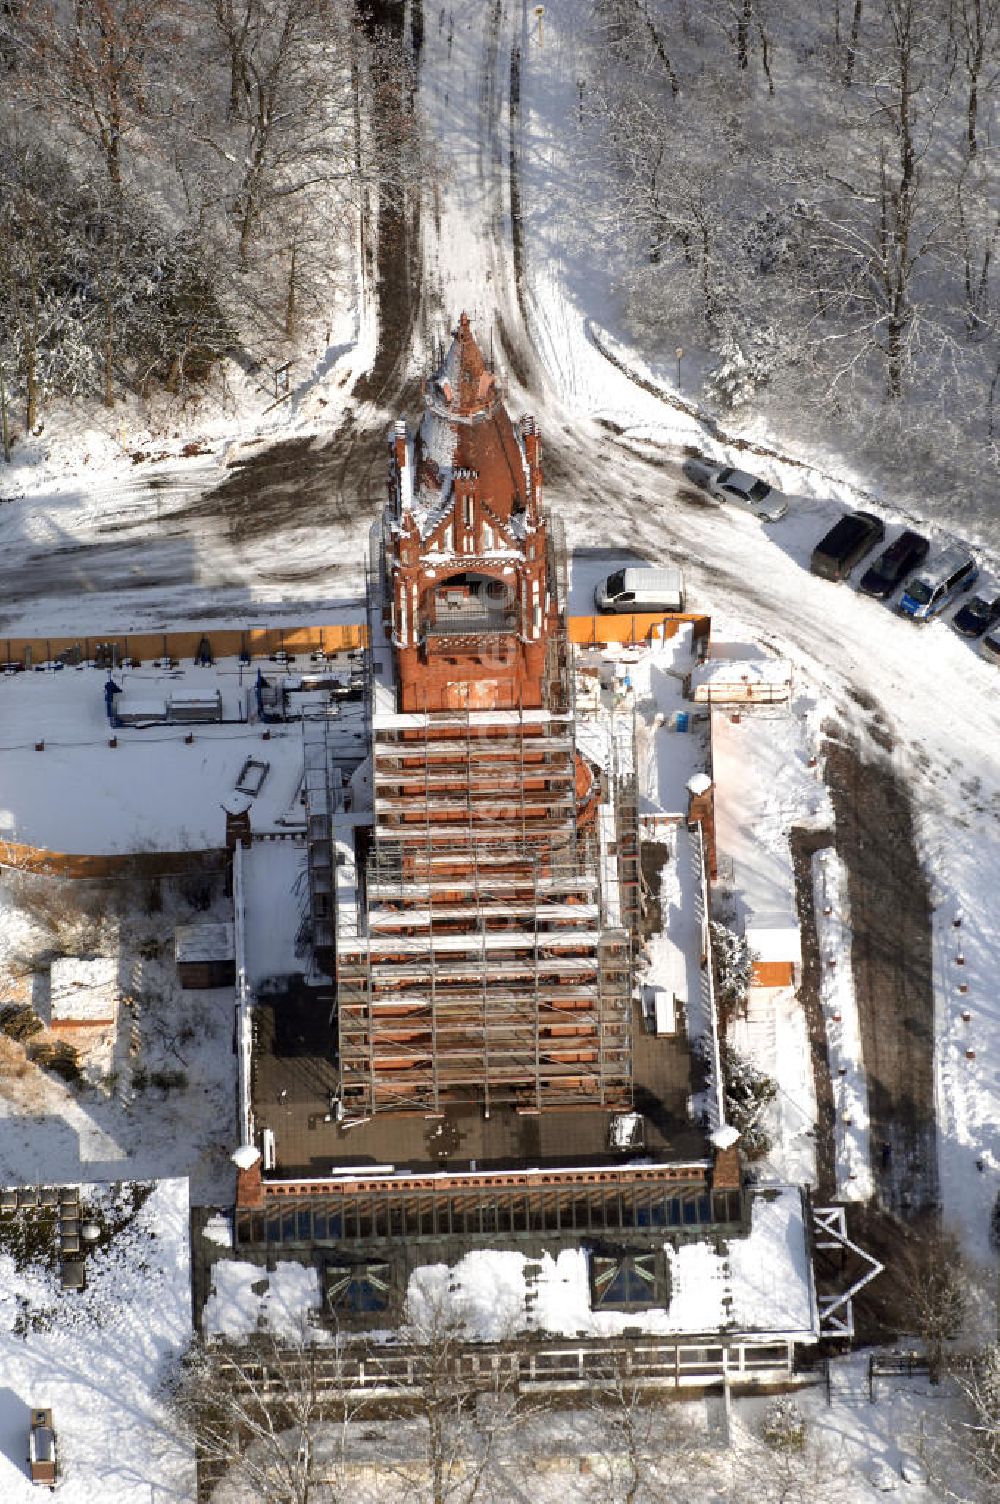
[{"x": 681, "y": 720}]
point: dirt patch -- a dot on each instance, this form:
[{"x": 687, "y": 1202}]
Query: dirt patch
[
  {"x": 692, "y": 498},
  {"x": 885, "y": 1312},
  {"x": 652, "y": 856},
  {"x": 803, "y": 844},
  {"x": 513, "y": 356},
  {"x": 891, "y": 923},
  {"x": 395, "y": 228}
]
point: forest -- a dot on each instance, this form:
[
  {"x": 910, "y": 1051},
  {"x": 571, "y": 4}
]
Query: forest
[
  {"x": 180, "y": 184},
  {"x": 809, "y": 195},
  {"x": 803, "y": 197}
]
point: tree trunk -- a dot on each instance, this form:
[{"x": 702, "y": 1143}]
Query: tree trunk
[
  {"x": 31, "y": 357},
  {"x": 235, "y": 81},
  {"x": 707, "y": 296},
  {"x": 437, "y": 1453},
  {"x": 109, "y": 353},
  {"x": 852, "y": 45},
  {"x": 765, "y": 56},
  {"x": 894, "y": 357},
  {"x": 290, "y": 300},
  {"x": 31, "y": 389},
  {"x": 743, "y": 34}
]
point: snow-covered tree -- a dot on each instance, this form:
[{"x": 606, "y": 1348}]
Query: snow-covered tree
[
  {"x": 784, "y": 1426},
  {"x": 749, "y": 1091},
  {"x": 733, "y": 961}
]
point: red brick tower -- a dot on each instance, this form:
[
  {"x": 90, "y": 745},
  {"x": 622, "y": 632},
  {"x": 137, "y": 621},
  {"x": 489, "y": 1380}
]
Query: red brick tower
[
  {"x": 481, "y": 953},
  {"x": 471, "y": 610}
]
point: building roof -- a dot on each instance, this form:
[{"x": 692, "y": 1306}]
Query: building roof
[
  {"x": 84, "y": 991},
  {"x": 760, "y": 1283},
  {"x": 204, "y": 942},
  {"x": 466, "y": 426},
  {"x": 748, "y": 759}
]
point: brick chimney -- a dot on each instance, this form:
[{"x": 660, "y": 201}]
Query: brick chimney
[
  {"x": 701, "y": 810},
  {"x": 249, "y": 1182},
  {"x": 726, "y": 1169}
]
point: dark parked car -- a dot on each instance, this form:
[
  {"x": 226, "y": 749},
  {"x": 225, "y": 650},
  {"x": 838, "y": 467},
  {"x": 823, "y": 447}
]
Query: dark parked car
[
  {"x": 847, "y": 541},
  {"x": 978, "y": 614},
  {"x": 891, "y": 567}
]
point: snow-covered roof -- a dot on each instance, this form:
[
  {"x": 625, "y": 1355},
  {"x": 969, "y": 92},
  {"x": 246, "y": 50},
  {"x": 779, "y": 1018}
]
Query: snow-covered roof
[
  {"x": 276, "y": 897},
  {"x": 84, "y": 991},
  {"x": 153, "y": 788},
  {"x": 753, "y": 761},
  {"x": 245, "y": 1297},
  {"x": 762, "y": 1283},
  {"x": 741, "y": 680},
  {"x": 203, "y": 942}
]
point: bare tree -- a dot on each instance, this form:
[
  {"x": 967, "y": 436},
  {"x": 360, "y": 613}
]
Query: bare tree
[
  {"x": 96, "y": 66},
  {"x": 976, "y": 30},
  {"x": 272, "y": 1415},
  {"x": 466, "y": 1422},
  {"x": 769, "y": 1470},
  {"x": 979, "y": 1382},
  {"x": 937, "y": 1283},
  {"x": 647, "y": 1448}
]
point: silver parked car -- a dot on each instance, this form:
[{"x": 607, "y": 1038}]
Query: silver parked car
[{"x": 738, "y": 486}]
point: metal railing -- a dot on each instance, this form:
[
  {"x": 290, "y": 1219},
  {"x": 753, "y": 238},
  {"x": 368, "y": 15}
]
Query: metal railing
[{"x": 486, "y": 618}]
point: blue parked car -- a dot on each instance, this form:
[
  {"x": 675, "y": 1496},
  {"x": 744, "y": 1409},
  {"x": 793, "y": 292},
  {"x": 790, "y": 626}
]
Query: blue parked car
[{"x": 946, "y": 575}]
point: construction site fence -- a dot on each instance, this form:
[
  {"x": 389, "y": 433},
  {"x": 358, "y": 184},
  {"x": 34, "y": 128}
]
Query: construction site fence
[
  {"x": 112, "y": 648},
  {"x": 42, "y": 862}
]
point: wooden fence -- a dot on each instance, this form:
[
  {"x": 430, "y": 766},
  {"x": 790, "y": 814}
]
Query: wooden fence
[
  {"x": 298, "y": 641},
  {"x": 42, "y": 862}
]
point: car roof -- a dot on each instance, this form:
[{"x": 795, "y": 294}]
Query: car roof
[
  {"x": 953, "y": 556},
  {"x": 906, "y": 541},
  {"x": 742, "y": 479},
  {"x": 850, "y": 522}
]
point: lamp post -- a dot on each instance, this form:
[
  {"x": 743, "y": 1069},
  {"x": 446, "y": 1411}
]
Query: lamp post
[
  {"x": 539, "y": 14},
  {"x": 679, "y": 352}
]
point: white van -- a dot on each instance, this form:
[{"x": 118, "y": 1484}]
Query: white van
[
  {"x": 630, "y": 591},
  {"x": 944, "y": 576}
]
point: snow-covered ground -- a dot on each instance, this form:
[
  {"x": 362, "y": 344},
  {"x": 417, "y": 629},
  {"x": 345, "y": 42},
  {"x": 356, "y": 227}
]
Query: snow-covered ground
[
  {"x": 852, "y": 1149},
  {"x": 162, "y": 1101},
  {"x": 96, "y": 1358}
]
